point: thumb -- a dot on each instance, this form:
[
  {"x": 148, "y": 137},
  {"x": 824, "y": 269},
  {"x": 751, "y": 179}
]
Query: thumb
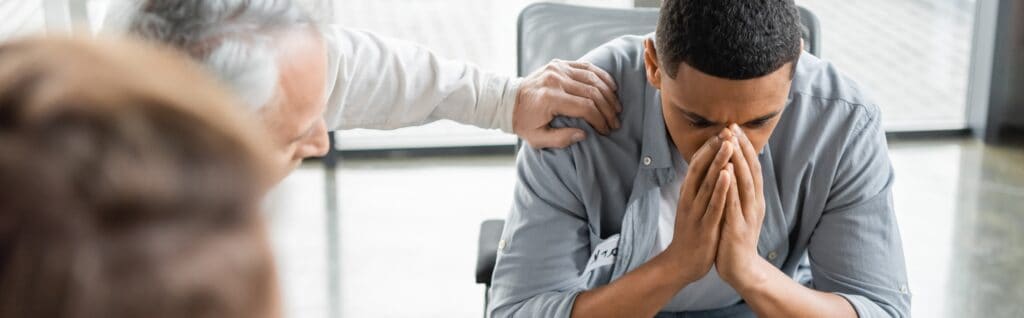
[{"x": 555, "y": 137}]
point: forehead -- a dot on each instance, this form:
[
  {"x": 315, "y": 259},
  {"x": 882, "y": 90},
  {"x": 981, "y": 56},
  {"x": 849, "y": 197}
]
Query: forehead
[
  {"x": 302, "y": 62},
  {"x": 699, "y": 92},
  {"x": 299, "y": 97}
]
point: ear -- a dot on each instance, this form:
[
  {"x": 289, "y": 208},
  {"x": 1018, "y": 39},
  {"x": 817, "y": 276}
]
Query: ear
[{"x": 651, "y": 64}]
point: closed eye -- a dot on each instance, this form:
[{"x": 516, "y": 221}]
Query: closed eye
[
  {"x": 762, "y": 121},
  {"x": 758, "y": 123},
  {"x": 699, "y": 123}
]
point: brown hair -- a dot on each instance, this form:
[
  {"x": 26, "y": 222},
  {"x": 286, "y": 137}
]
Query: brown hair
[{"x": 129, "y": 187}]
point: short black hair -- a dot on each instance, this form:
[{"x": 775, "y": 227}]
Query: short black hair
[{"x": 733, "y": 39}]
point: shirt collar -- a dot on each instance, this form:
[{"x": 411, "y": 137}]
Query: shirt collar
[
  {"x": 656, "y": 155},
  {"x": 655, "y": 139}
]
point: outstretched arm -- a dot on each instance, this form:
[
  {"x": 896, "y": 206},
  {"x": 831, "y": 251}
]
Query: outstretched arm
[{"x": 381, "y": 83}]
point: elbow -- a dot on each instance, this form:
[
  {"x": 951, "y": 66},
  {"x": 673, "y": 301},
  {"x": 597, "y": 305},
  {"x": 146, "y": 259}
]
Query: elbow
[
  {"x": 516, "y": 310},
  {"x": 889, "y": 310},
  {"x": 895, "y": 307},
  {"x": 507, "y": 310},
  {"x": 553, "y": 304}
]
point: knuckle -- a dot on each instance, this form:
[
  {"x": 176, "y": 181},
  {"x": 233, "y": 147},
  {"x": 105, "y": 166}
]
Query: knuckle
[
  {"x": 543, "y": 93},
  {"x": 549, "y": 79}
]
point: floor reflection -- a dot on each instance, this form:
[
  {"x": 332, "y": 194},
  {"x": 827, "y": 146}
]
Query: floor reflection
[{"x": 988, "y": 263}]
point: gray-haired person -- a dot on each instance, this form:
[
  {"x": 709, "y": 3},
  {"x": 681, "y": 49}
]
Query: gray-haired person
[{"x": 305, "y": 79}]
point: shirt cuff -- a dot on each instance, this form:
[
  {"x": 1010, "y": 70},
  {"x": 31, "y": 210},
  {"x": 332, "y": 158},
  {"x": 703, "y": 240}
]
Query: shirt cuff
[{"x": 506, "y": 105}]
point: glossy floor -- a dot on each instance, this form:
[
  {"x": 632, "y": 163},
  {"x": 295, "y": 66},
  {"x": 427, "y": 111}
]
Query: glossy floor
[{"x": 403, "y": 240}]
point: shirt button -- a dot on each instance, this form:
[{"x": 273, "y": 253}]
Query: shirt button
[
  {"x": 501, "y": 245},
  {"x": 647, "y": 160},
  {"x": 772, "y": 255},
  {"x": 903, "y": 289}
]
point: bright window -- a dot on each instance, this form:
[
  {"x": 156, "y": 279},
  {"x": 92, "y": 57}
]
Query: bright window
[
  {"x": 20, "y": 18},
  {"x": 912, "y": 56}
]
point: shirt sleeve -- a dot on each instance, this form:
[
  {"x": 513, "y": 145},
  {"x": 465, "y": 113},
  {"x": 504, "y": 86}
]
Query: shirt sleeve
[
  {"x": 380, "y": 83},
  {"x": 856, "y": 251},
  {"x": 545, "y": 243},
  {"x": 546, "y": 246}
]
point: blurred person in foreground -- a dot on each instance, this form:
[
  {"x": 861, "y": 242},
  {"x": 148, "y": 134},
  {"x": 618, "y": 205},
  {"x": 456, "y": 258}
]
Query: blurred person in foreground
[{"x": 124, "y": 194}]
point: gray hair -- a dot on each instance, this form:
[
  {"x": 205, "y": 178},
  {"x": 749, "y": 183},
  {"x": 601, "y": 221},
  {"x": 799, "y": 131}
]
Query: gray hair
[{"x": 232, "y": 38}]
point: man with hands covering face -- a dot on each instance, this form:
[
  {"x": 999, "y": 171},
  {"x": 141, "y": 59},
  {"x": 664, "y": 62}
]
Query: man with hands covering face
[
  {"x": 719, "y": 216},
  {"x": 747, "y": 179}
]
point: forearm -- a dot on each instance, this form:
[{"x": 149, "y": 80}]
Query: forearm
[
  {"x": 640, "y": 293},
  {"x": 771, "y": 293},
  {"x": 477, "y": 97},
  {"x": 383, "y": 83}
]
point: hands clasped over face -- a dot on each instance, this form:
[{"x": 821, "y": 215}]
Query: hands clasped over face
[{"x": 720, "y": 212}]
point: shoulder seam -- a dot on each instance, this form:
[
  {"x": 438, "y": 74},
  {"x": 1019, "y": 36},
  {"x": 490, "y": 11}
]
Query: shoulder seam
[
  {"x": 864, "y": 108},
  {"x": 833, "y": 99}
]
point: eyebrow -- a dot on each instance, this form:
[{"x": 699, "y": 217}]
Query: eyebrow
[{"x": 695, "y": 117}]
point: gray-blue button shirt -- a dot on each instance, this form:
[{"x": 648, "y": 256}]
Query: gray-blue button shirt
[{"x": 827, "y": 189}]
